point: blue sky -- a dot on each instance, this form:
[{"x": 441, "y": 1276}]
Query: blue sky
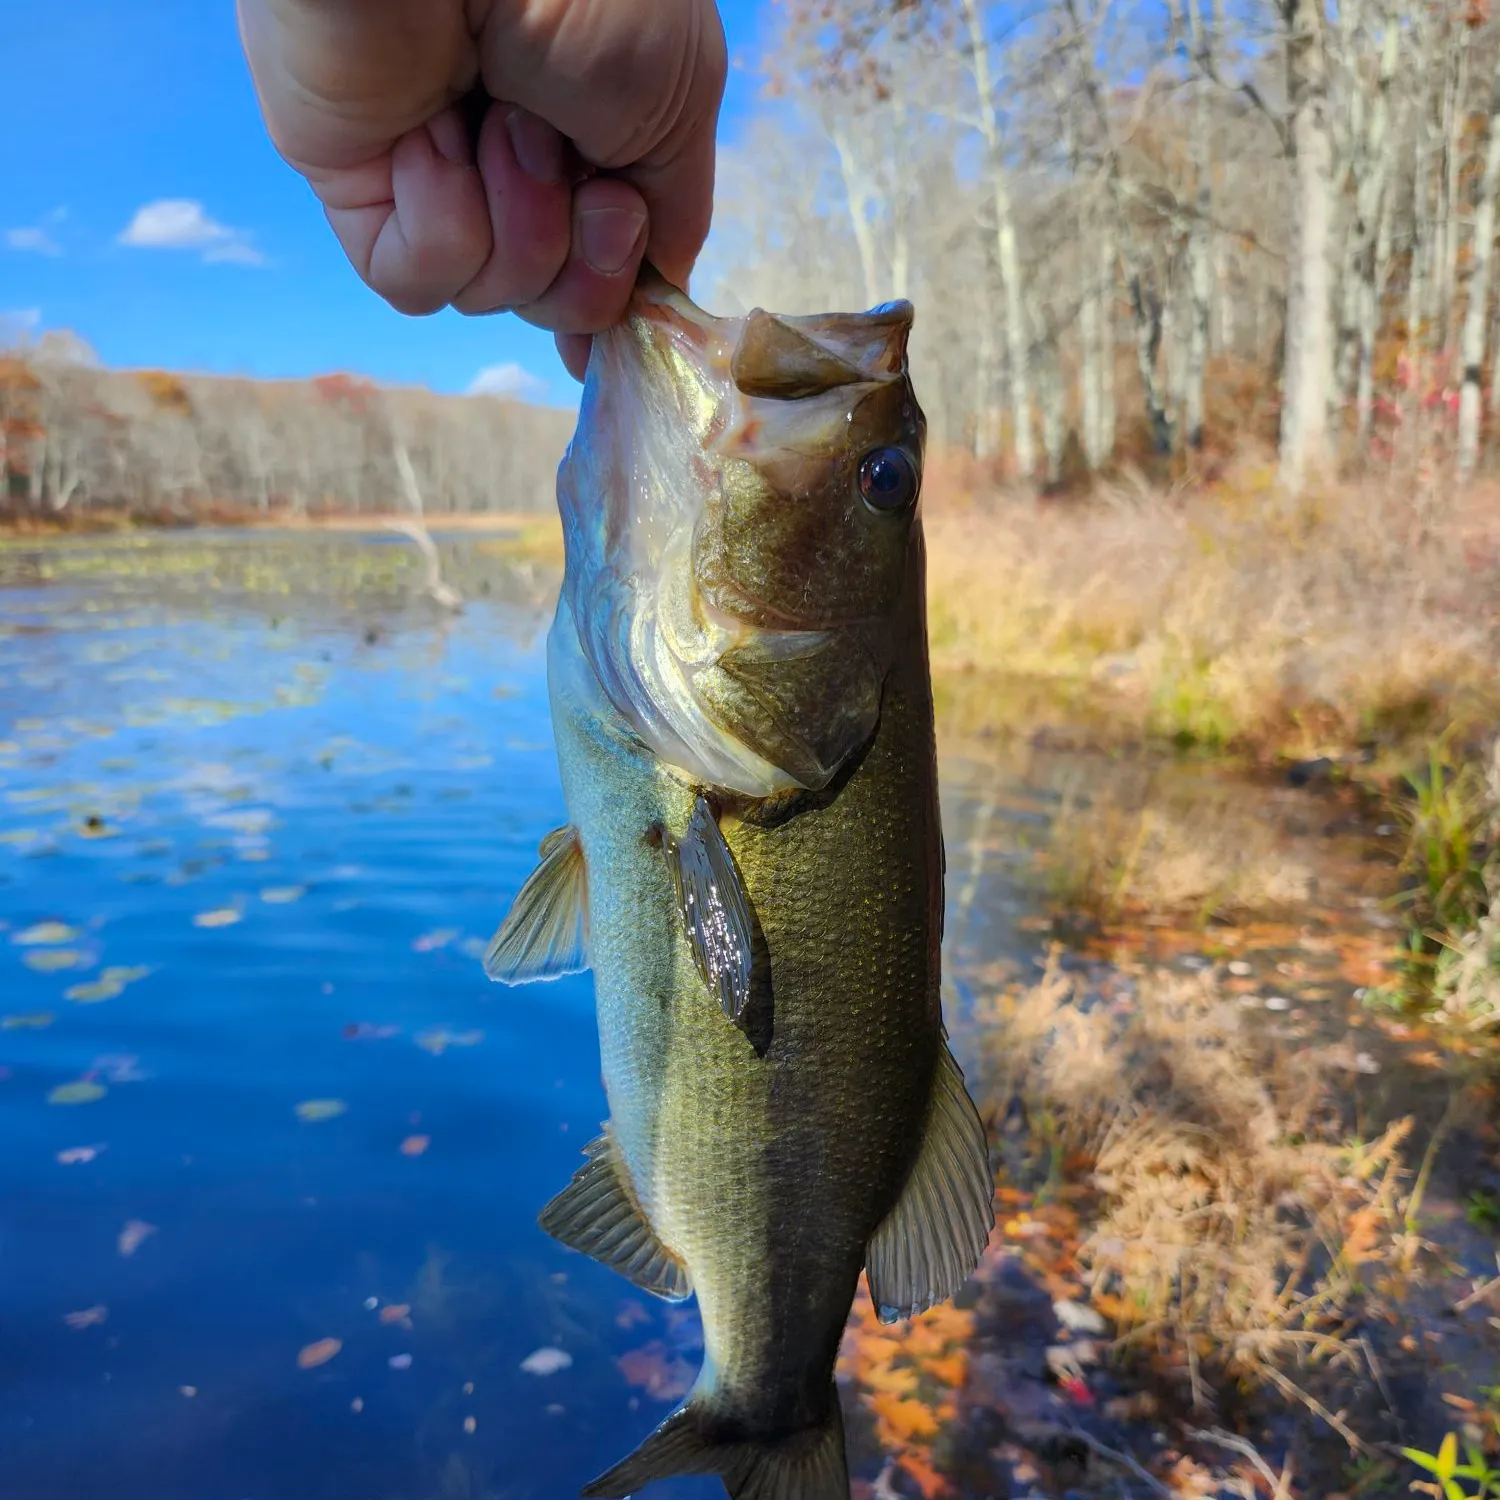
[{"x": 109, "y": 109}]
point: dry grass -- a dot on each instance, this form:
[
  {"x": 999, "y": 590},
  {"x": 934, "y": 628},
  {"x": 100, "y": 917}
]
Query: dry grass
[
  {"x": 1236, "y": 1221},
  {"x": 1136, "y": 842},
  {"x": 1232, "y": 615},
  {"x": 1467, "y": 975}
]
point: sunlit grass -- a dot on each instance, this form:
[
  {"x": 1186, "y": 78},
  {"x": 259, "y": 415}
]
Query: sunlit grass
[{"x": 1231, "y": 617}]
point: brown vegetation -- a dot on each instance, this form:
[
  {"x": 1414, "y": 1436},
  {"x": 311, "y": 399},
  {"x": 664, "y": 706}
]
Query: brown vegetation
[{"x": 1235, "y": 1223}]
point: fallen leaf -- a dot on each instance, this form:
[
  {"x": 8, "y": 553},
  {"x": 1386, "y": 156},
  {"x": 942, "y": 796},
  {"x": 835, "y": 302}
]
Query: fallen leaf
[
  {"x": 282, "y": 895},
  {"x": 415, "y": 1145},
  {"x": 438, "y": 1039},
  {"x": 124, "y": 973},
  {"x": 75, "y": 1155},
  {"x": 51, "y": 960},
  {"x": 310, "y": 1356},
  {"x": 362, "y": 1031},
  {"x": 430, "y": 942},
  {"x": 394, "y": 1312},
  {"x": 470, "y": 1424},
  {"x": 657, "y": 1371},
  {"x": 399, "y": 1361},
  {"x": 546, "y": 1361},
  {"x": 357, "y": 1404},
  {"x": 901, "y": 1420},
  {"x": 630, "y": 1314},
  {"x": 224, "y": 916},
  {"x": 88, "y": 1318},
  {"x": 134, "y": 1235},
  {"x": 188, "y": 1390},
  {"x": 310, "y": 1111},
  {"x": 94, "y": 991},
  {"x": 118, "y": 1068},
  {"x": 82, "y": 1092},
  {"x": 35, "y": 1021},
  {"x": 45, "y": 934}
]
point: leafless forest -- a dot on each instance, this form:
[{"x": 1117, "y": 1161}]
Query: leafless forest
[
  {"x": 1134, "y": 230},
  {"x": 1134, "y": 227},
  {"x": 74, "y": 437}
]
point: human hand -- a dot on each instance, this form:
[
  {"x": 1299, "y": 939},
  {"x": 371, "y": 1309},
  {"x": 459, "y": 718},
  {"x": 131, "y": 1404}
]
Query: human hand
[{"x": 362, "y": 97}]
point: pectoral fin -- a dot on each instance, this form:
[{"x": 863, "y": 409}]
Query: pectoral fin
[
  {"x": 714, "y": 908},
  {"x": 597, "y": 1213},
  {"x": 928, "y": 1244},
  {"x": 544, "y": 935}
]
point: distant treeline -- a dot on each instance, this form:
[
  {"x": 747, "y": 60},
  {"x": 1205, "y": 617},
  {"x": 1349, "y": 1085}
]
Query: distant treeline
[{"x": 75, "y": 437}]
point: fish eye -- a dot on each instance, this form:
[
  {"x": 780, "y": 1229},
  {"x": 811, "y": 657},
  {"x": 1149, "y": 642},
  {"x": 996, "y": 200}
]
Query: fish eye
[{"x": 887, "y": 479}]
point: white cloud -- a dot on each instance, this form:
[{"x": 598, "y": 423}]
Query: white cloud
[
  {"x": 37, "y": 238},
  {"x": 184, "y": 224},
  {"x": 507, "y": 380},
  {"x": 34, "y": 238}
]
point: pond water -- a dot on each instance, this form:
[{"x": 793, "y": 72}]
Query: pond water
[{"x": 274, "y": 1147}]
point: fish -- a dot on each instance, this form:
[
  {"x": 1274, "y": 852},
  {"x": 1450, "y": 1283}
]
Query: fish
[{"x": 753, "y": 866}]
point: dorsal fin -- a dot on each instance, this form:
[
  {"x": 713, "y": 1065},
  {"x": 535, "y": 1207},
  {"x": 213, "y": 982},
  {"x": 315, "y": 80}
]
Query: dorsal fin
[{"x": 544, "y": 934}]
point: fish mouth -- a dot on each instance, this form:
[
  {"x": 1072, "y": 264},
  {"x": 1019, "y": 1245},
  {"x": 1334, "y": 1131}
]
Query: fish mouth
[{"x": 726, "y": 604}]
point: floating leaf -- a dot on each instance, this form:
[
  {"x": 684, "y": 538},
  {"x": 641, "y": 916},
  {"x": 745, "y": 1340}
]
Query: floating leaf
[
  {"x": 82, "y": 1092},
  {"x": 546, "y": 1361},
  {"x": 360, "y": 1031},
  {"x": 430, "y": 942},
  {"x": 45, "y": 934},
  {"x": 50, "y": 960},
  {"x": 89, "y": 1317},
  {"x": 135, "y": 1234},
  {"x": 470, "y": 1425},
  {"x": 282, "y": 895},
  {"x": 118, "y": 1068},
  {"x": 75, "y": 1155},
  {"x": 399, "y": 1361},
  {"x": 395, "y": 1312},
  {"x": 654, "y": 1369},
  {"x": 124, "y": 974},
  {"x": 224, "y": 916},
  {"x": 415, "y": 1145},
  {"x": 92, "y": 993},
  {"x": 35, "y": 1021},
  {"x": 310, "y": 1356},
  {"x": 310, "y": 1111},
  {"x": 94, "y": 827},
  {"x": 438, "y": 1039}
]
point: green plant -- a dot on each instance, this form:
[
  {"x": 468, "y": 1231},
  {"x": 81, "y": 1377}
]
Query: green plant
[
  {"x": 1446, "y": 1469},
  {"x": 1482, "y": 1209}
]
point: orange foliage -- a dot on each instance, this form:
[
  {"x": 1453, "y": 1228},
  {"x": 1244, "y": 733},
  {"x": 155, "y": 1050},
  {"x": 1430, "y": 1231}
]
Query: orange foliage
[
  {"x": 165, "y": 390},
  {"x": 907, "y": 1374}
]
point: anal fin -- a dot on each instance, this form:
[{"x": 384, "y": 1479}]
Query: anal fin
[
  {"x": 597, "y": 1214},
  {"x": 927, "y": 1246},
  {"x": 544, "y": 934},
  {"x": 714, "y": 908}
]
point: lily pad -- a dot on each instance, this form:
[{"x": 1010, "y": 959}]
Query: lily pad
[
  {"x": 45, "y": 934},
  {"x": 82, "y": 1092},
  {"x": 93, "y": 992},
  {"x": 310, "y": 1111},
  {"x": 52, "y": 960}
]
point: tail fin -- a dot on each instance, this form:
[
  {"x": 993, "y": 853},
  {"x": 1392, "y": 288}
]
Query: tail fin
[{"x": 807, "y": 1465}]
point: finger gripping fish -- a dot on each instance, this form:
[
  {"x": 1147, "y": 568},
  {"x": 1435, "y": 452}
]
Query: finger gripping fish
[{"x": 754, "y": 866}]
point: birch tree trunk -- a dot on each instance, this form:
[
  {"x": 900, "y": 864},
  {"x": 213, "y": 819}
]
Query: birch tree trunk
[
  {"x": 1455, "y": 117},
  {"x": 1304, "y": 409},
  {"x": 1006, "y": 255},
  {"x": 1200, "y": 273},
  {"x": 1476, "y": 315}
]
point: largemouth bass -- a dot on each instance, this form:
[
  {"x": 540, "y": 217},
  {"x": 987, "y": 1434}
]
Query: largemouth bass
[{"x": 754, "y": 866}]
